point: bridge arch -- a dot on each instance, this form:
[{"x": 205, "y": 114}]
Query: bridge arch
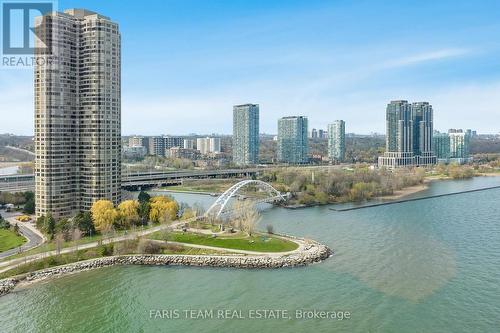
[{"x": 217, "y": 209}]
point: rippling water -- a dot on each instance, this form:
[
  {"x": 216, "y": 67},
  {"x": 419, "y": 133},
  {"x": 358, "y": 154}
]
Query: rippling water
[{"x": 423, "y": 266}]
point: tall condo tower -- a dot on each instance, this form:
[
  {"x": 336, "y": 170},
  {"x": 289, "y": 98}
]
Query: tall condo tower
[
  {"x": 399, "y": 136},
  {"x": 336, "y": 141},
  {"x": 409, "y": 135},
  {"x": 292, "y": 140},
  {"x": 77, "y": 113},
  {"x": 246, "y": 134},
  {"x": 422, "y": 117}
]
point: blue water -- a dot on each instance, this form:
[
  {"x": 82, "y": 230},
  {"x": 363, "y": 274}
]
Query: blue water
[{"x": 422, "y": 266}]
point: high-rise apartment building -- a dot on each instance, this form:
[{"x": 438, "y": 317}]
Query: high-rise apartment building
[
  {"x": 423, "y": 129},
  {"x": 138, "y": 141},
  {"x": 399, "y": 136},
  {"x": 77, "y": 112},
  {"x": 246, "y": 134},
  {"x": 214, "y": 145},
  {"x": 459, "y": 147},
  {"x": 409, "y": 135},
  {"x": 208, "y": 145},
  {"x": 156, "y": 146},
  {"x": 292, "y": 140},
  {"x": 441, "y": 144},
  {"x": 336, "y": 141},
  {"x": 173, "y": 141},
  {"x": 322, "y": 134},
  {"x": 189, "y": 143}
]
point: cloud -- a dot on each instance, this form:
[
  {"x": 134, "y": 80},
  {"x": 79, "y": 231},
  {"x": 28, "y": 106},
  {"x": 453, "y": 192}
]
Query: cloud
[{"x": 425, "y": 57}]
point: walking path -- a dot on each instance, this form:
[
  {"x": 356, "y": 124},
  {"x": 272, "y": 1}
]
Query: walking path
[
  {"x": 300, "y": 248},
  {"x": 9, "y": 264},
  {"x": 302, "y": 245}
]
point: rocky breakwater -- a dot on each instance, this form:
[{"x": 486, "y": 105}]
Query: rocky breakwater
[
  {"x": 6, "y": 285},
  {"x": 310, "y": 252}
]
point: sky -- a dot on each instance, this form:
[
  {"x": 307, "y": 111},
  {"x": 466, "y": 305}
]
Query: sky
[{"x": 185, "y": 63}]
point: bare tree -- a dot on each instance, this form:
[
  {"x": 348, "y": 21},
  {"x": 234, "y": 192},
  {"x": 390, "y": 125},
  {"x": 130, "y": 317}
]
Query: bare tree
[
  {"x": 165, "y": 234},
  {"x": 247, "y": 217},
  {"x": 165, "y": 218},
  {"x": 77, "y": 235},
  {"x": 59, "y": 240},
  {"x": 198, "y": 209}
]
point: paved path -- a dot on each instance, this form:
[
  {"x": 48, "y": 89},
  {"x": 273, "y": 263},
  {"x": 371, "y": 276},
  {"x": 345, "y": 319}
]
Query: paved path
[
  {"x": 29, "y": 231},
  {"x": 9, "y": 264},
  {"x": 21, "y": 150},
  {"x": 224, "y": 249}
]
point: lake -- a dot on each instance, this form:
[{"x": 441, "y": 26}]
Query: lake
[{"x": 422, "y": 266}]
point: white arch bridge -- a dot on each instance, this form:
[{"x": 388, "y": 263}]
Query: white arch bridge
[{"x": 221, "y": 206}]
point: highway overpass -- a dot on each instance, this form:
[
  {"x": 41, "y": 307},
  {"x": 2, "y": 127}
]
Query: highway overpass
[{"x": 134, "y": 180}]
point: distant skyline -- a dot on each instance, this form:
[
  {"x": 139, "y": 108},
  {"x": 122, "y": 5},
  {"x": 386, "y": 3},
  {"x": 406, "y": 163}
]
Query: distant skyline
[{"x": 185, "y": 63}]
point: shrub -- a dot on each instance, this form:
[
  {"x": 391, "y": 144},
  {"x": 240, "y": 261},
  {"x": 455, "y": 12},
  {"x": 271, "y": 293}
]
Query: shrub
[
  {"x": 125, "y": 247},
  {"x": 270, "y": 229},
  {"x": 173, "y": 248},
  {"x": 4, "y": 224},
  {"x": 105, "y": 250},
  {"x": 148, "y": 247}
]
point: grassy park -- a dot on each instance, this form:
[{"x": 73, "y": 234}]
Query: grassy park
[
  {"x": 256, "y": 242},
  {"x": 9, "y": 240},
  {"x": 134, "y": 246}
]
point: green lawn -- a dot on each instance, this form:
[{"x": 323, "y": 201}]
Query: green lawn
[
  {"x": 9, "y": 240},
  {"x": 258, "y": 243}
]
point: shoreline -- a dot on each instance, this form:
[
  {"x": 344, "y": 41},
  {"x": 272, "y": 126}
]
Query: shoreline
[
  {"x": 406, "y": 191},
  {"x": 397, "y": 195},
  {"x": 312, "y": 252}
]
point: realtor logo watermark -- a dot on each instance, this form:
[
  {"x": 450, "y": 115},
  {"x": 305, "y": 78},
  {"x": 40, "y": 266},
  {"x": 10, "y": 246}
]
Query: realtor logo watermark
[{"x": 22, "y": 44}]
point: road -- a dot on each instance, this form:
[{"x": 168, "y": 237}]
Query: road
[
  {"x": 21, "y": 150},
  {"x": 28, "y": 230}
]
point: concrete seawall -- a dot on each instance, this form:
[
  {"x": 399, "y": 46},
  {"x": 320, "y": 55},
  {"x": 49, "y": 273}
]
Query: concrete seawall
[{"x": 312, "y": 252}]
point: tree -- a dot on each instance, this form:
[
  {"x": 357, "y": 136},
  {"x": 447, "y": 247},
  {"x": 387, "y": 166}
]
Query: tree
[
  {"x": 144, "y": 206},
  {"x": 50, "y": 226},
  {"x": 163, "y": 209},
  {"x": 143, "y": 197},
  {"x": 29, "y": 206},
  {"x": 247, "y": 217},
  {"x": 83, "y": 221},
  {"x": 198, "y": 209},
  {"x": 361, "y": 191},
  {"x": 59, "y": 240},
  {"x": 104, "y": 215},
  {"x": 77, "y": 235},
  {"x": 16, "y": 229},
  {"x": 144, "y": 209},
  {"x": 129, "y": 213},
  {"x": 4, "y": 224},
  {"x": 64, "y": 226},
  {"x": 40, "y": 223}
]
